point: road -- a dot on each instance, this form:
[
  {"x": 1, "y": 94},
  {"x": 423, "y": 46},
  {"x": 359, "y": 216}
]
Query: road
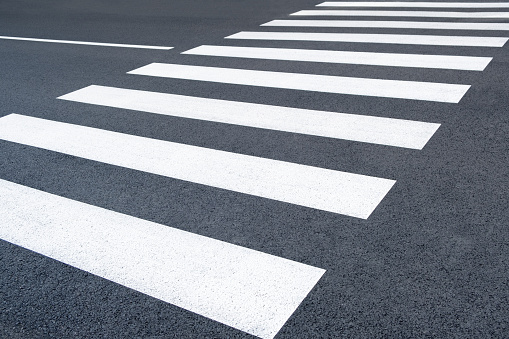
[{"x": 253, "y": 169}]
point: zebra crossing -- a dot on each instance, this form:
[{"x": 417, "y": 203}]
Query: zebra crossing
[
  {"x": 311, "y": 82},
  {"x": 362, "y": 128},
  {"x": 252, "y": 291},
  {"x": 421, "y": 14},
  {"x": 401, "y": 39},
  {"x": 416, "y": 4},
  {"x": 334, "y": 191},
  {"x": 475, "y": 26},
  {"x": 242, "y": 288},
  {"x": 465, "y": 63}
]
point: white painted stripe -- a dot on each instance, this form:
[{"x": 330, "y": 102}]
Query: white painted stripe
[
  {"x": 428, "y": 91},
  {"x": 479, "y": 26},
  {"x": 437, "y": 40},
  {"x": 84, "y": 43},
  {"x": 384, "y": 131},
  {"x": 467, "y": 63},
  {"x": 414, "y": 4},
  {"x": 334, "y": 191},
  {"x": 426, "y": 14},
  {"x": 242, "y": 288}
]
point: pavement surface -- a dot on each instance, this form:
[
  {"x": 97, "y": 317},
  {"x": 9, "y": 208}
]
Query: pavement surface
[{"x": 431, "y": 261}]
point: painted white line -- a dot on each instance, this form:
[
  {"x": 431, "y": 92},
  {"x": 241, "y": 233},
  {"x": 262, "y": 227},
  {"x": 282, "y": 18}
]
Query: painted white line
[
  {"x": 425, "y": 14},
  {"x": 414, "y": 4},
  {"x": 437, "y": 40},
  {"x": 428, "y": 91},
  {"x": 239, "y": 287},
  {"x": 334, "y": 191},
  {"x": 84, "y": 43},
  {"x": 467, "y": 63},
  {"x": 479, "y": 26},
  {"x": 376, "y": 130}
]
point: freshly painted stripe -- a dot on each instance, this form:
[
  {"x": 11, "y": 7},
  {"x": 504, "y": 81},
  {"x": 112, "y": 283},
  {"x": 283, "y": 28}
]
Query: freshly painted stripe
[
  {"x": 377, "y": 130},
  {"x": 426, "y": 14},
  {"x": 428, "y": 91},
  {"x": 479, "y": 26},
  {"x": 242, "y": 288},
  {"x": 334, "y": 191},
  {"x": 84, "y": 43},
  {"x": 403, "y": 4},
  {"x": 437, "y": 40},
  {"x": 467, "y": 63}
]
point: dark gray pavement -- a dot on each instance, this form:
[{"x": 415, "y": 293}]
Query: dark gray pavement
[{"x": 432, "y": 261}]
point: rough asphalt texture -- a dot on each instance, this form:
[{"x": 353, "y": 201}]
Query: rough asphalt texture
[{"x": 432, "y": 261}]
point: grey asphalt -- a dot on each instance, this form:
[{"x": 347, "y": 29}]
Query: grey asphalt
[{"x": 432, "y": 261}]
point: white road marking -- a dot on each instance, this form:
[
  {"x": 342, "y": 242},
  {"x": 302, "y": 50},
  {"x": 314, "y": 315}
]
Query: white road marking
[
  {"x": 239, "y": 287},
  {"x": 85, "y": 43},
  {"x": 425, "y": 14},
  {"x": 437, "y": 40},
  {"x": 334, "y": 191},
  {"x": 428, "y": 91},
  {"x": 479, "y": 26},
  {"x": 403, "y": 4},
  {"x": 467, "y": 63},
  {"x": 384, "y": 131}
]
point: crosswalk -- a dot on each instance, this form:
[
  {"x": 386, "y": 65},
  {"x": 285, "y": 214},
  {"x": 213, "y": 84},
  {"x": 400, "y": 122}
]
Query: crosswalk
[
  {"x": 311, "y": 82},
  {"x": 239, "y": 287},
  {"x": 434, "y": 25},
  {"x": 421, "y": 14},
  {"x": 465, "y": 63},
  {"x": 231, "y": 284},
  {"x": 334, "y": 191},
  {"x": 362, "y": 128},
  {"x": 401, "y": 39},
  {"x": 416, "y": 4}
]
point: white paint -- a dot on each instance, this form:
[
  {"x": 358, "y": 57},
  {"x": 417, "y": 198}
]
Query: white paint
[
  {"x": 479, "y": 26},
  {"x": 425, "y": 14},
  {"x": 84, "y": 43},
  {"x": 242, "y": 288},
  {"x": 428, "y": 91},
  {"x": 414, "y": 4},
  {"x": 467, "y": 63},
  {"x": 334, "y": 191},
  {"x": 384, "y": 131},
  {"x": 437, "y": 40}
]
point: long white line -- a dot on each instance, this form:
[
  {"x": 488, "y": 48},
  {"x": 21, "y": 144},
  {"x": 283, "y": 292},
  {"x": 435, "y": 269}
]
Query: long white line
[
  {"x": 426, "y": 14},
  {"x": 428, "y": 91},
  {"x": 467, "y": 63},
  {"x": 85, "y": 43},
  {"x": 403, "y": 4},
  {"x": 436, "y": 40},
  {"x": 377, "y": 130},
  {"x": 242, "y": 288},
  {"x": 334, "y": 191},
  {"x": 479, "y": 26}
]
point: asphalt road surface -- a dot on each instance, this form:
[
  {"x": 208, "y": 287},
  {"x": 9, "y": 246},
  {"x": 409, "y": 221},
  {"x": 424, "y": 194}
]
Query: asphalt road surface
[{"x": 284, "y": 170}]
